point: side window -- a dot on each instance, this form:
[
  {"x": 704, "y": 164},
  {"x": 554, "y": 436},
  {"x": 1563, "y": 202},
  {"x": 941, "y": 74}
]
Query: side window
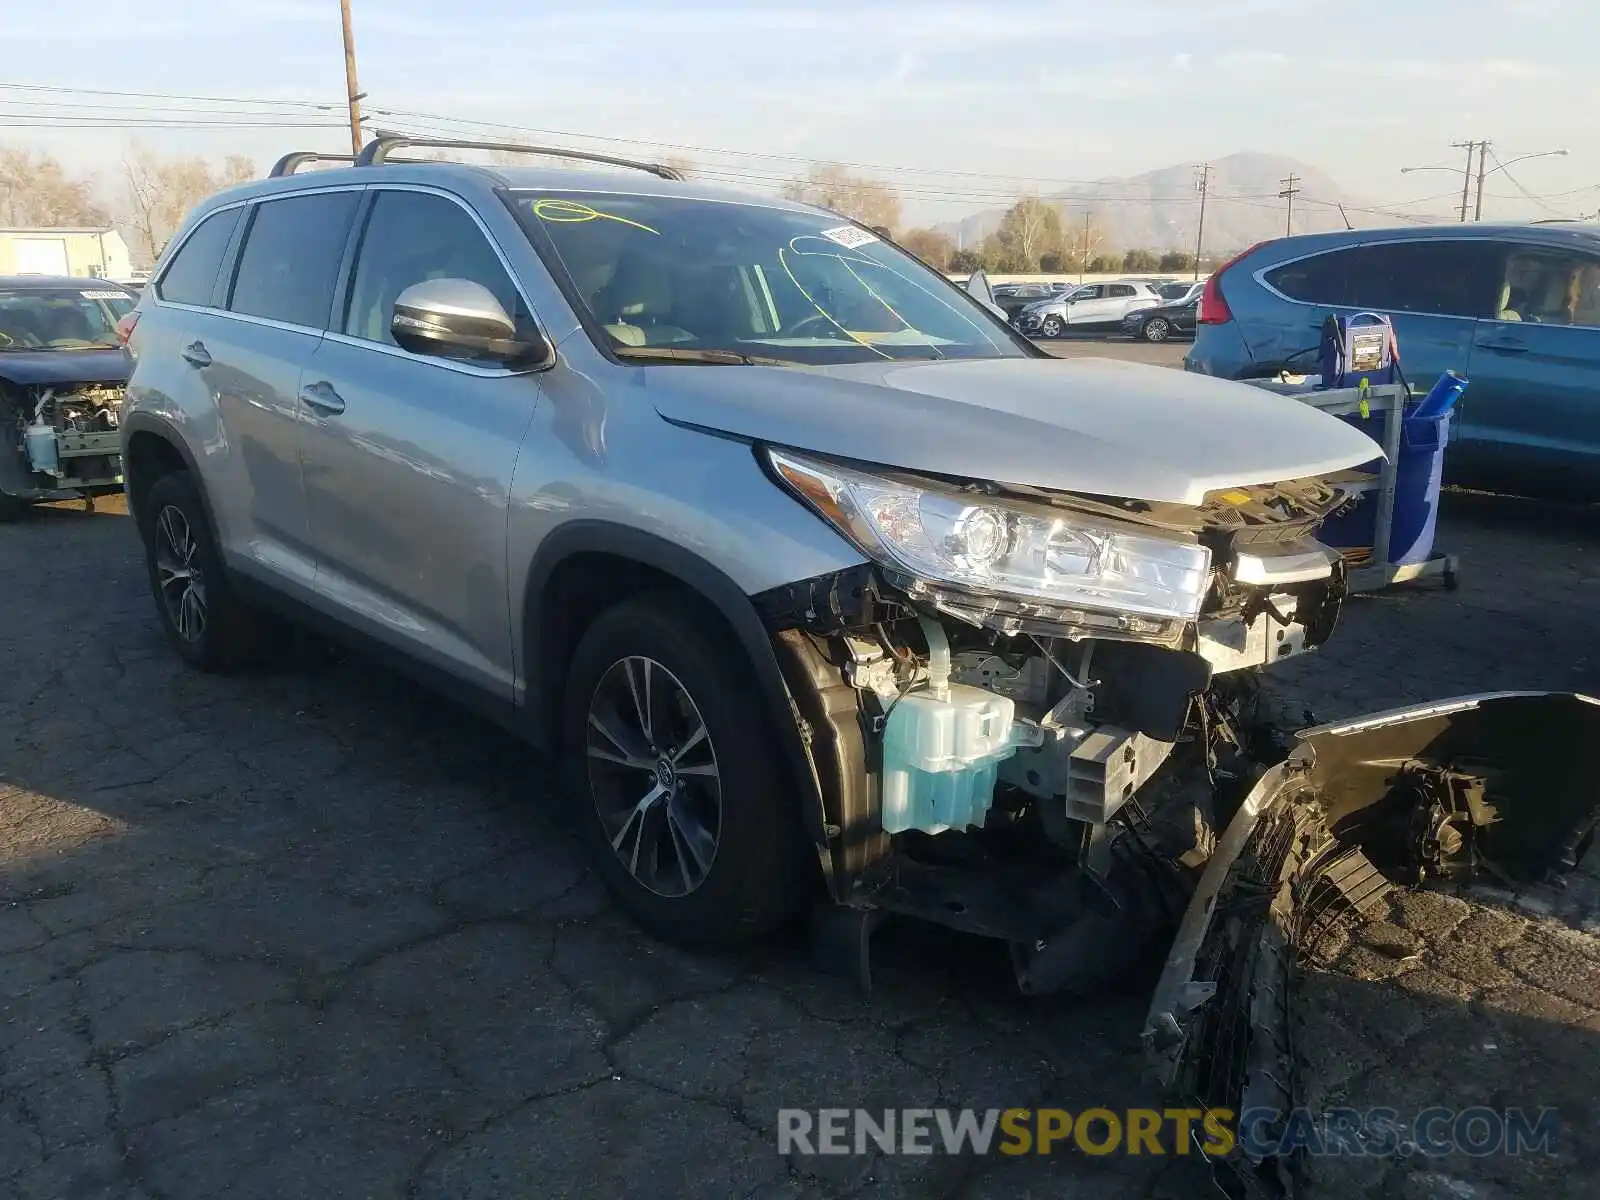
[
  {"x": 1120, "y": 289},
  {"x": 1320, "y": 279},
  {"x": 192, "y": 273},
  {"x": 1550, "y": 288},
  {"x": 291, "y": 258},
  {"x": 1448, "y": 277},
  {"x": 1092, "y": 292},
  {"x": 413, "y": 236}
]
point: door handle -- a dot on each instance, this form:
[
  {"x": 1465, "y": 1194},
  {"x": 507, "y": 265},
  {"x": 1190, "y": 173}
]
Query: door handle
[
  {"x": 322, "y": 397},
  {"x": 196, "y": 354}
]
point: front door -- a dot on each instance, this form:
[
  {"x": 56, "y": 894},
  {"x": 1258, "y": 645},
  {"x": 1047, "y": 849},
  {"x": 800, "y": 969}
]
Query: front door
[
  {"x": 1533, "y": 397},
  {"x": 1087, "y": 305},
  {"x": 408, "y": 458}
]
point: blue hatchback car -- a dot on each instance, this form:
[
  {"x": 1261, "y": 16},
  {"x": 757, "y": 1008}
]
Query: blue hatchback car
[{"x": 1514, "y": 308}]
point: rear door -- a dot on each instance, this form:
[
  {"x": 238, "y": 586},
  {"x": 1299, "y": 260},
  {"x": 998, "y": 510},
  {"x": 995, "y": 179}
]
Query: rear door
[
  {"x": 1434, "y": 291},
  {"x": 277, "y": 301},
  {"x": 408, "y": 457},
  {"x": 1531, "y": 412}
]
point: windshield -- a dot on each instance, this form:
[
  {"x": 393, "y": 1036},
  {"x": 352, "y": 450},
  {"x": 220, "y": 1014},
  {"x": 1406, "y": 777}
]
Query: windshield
[
  {"x": 742, "y": 279},
  {"x": 61, "y": 320}
]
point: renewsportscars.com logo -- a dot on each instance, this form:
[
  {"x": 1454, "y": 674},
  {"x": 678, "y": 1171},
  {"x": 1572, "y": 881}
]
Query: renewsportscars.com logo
[{"x": 1259, "y": 1133}]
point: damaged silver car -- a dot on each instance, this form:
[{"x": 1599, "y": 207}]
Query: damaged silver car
[{"x": 823, "y": 583}]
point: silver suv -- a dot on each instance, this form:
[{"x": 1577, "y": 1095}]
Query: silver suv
[{"x": 818, "y": 579}]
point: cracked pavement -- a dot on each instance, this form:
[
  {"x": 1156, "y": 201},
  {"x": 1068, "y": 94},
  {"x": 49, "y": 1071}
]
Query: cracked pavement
[{"x": 313, "y": 932}]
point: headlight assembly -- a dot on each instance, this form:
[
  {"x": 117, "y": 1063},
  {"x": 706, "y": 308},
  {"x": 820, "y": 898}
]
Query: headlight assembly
[{"x": 1006, "y": 558}]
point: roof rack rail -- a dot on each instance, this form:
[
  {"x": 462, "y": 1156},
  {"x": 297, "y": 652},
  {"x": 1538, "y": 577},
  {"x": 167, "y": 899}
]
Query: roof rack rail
[
  {"x": 293, "y": 161},
  {"x": 377, "y": 150}
]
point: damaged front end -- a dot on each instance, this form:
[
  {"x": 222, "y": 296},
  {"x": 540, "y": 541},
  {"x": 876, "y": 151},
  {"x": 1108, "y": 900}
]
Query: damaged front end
[
  {"x": 1031, "y": 713},
  {"x": 60, "y": 440},
  {"x": 1499, "y": 787}
]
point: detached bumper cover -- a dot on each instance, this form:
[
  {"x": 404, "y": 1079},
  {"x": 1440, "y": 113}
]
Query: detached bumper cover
[{"x": 1503, "y": 785}]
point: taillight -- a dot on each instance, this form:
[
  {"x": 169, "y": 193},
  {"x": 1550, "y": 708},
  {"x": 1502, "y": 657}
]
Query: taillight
[
  {"x": 125, "y": 326},
  {"x": 1214, "y": 309}
]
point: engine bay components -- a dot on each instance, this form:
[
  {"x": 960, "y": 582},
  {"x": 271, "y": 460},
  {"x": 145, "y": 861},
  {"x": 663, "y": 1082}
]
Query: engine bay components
[{"x": 60, "y": 438}]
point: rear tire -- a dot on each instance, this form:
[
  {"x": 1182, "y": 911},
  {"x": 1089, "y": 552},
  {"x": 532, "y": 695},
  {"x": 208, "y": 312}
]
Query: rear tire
[
  {"x": 205, "y": 620},
  {"x": 680, "y": 801}
]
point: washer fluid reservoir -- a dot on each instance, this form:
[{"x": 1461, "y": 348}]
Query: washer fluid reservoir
[{"x": 942, "y": 749}]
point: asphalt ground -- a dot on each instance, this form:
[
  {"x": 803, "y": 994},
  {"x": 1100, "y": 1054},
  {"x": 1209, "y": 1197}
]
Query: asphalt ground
[{"x": 313, "y": 932}]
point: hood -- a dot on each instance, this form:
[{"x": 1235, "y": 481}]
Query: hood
[
  {"x": 1041, "y": 305},
  {"x": 1079, "y": 425},
  {"x": 64, "y": 366}
]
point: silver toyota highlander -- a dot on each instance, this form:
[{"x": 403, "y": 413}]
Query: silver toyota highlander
[{"x": 820, "y": 582}]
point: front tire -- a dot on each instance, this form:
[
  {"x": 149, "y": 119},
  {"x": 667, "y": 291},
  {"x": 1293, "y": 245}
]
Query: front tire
[
  {"x": 681, "y": 804},
  {"x": 1052, "y": 326},
  {"x": 205, "y": 620},
  {"x": 1156, "y": 329}
]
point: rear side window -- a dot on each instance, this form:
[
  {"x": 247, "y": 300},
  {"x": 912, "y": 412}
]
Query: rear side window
[
  {"x": 291, "y": 258},
  {"x": 1320, "y": 279},
  {"x": 1120, "y": 289},
  {"x": 192, "y": 273},
  {"x": 1446, "y": 277}
]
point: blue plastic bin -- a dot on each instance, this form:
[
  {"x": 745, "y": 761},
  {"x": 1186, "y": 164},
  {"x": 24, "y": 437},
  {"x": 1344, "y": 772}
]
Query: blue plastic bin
[{"x": 1418, "y": 480}]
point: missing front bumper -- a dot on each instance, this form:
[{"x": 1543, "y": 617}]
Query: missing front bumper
[{"x": 1501, "y": 785}]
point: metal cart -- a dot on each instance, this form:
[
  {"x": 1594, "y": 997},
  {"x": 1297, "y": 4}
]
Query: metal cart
[{"x": 1390, "y": 400}]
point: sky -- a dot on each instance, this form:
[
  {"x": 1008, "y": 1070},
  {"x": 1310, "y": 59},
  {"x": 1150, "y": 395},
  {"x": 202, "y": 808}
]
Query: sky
[{"x": 958, "y": 105}]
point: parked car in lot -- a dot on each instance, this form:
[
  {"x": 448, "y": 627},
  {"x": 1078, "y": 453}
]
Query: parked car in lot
[
  {"x": 1513, "y": 308},
  {"x": 1178, "y": 290},
  {"x": 1092, "y": 306},
  {"x": 823, "y": 585},
  {"x": 1171, "y": 318},
  {"x": 1012, "y": 298},
  {"x": 62, "y": 373}
]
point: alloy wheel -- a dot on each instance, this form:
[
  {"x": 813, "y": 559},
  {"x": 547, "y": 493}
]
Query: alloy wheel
[
  {"x": 1051, "y": 326},
  {"x": 179, "y": 574},
  {"x": 653, "y": 776},
  {"x": 1156, "y": 330}
]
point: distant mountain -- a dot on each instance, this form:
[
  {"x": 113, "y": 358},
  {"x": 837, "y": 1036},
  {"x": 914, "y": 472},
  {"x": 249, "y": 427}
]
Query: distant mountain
[{"x": 1159, "y": 209}]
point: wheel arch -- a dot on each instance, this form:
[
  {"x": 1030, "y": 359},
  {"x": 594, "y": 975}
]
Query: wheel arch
[
  {"x": 586, "y": 564},
  {"x": 151, "y": 448}
]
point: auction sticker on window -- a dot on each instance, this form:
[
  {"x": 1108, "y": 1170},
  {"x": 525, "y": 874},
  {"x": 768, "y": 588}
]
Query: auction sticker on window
[
  {"x": 104, "y": 295},
  {"x": 849, "y": 236}
]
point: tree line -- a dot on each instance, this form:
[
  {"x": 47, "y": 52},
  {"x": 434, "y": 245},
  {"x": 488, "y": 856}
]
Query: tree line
[
  {"x": 146, "y": 198},
  {"x": 1032, "y": 238}
]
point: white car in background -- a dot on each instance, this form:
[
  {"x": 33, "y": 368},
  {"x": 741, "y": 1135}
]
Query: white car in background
[{"x": 1094, "y": 305}]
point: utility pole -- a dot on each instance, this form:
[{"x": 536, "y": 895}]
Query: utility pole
[
  {"x": 1083, "y": 257},
  {"x": 1466, "y": 178},
  {"x": 1483, "y": 162},
  {"x": 1202, "y": 185},
  {"x": 350, "y": 78},
  {"x": 1290, "y": 191}
]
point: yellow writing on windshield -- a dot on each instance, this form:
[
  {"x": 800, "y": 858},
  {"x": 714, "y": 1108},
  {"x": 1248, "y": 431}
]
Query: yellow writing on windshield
[{"x": 571, "y": 212}]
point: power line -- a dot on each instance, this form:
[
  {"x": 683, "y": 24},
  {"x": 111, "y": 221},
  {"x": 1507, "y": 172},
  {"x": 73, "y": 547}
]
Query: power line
[
  {"x": 1202, "y": 185},
  {"x": 1512, "y": 179},
  {"x": 40, "y": 87}
]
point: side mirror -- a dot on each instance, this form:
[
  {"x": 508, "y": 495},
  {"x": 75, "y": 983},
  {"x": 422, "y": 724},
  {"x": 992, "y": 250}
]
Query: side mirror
[{"x": 457, "y": 318}]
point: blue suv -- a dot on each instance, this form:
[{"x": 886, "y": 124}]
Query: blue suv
[{"x": 1514, "y": 308}]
